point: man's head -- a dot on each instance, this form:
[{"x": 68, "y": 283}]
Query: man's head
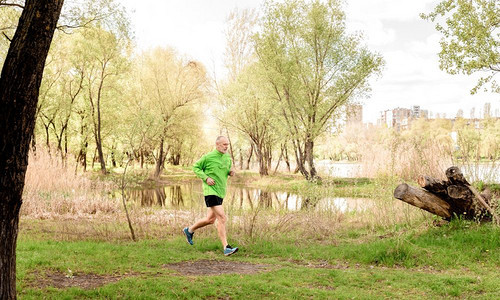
[{"x": 222, "y": 144}]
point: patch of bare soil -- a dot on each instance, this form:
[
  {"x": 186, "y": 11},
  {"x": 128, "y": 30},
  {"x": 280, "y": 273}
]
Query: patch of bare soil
[
  {"x": 321, "y": 264},
  {"x": 216, "y": 267},
  {"x": 62, "y": 281}
]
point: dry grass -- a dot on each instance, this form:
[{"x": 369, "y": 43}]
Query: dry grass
[
  {"x": 405, "y": 158},
  {"x": 75, "y": 207},
  {"x": 52, "y": 190}
]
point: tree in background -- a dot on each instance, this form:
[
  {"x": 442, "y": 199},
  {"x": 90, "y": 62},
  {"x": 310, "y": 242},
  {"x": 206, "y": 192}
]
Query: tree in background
[
  {"x": 169, "y": 82},
  {"x": 471, "y": 38},
  {"x": 62, "y": 85},
  {"x": 248, "y": 107},
  {"x": 239, "y": 46},
  {"x": 102, "y": 53},
  {"x": 246, "y": 97},
  {"x": 314, "y": 66}
]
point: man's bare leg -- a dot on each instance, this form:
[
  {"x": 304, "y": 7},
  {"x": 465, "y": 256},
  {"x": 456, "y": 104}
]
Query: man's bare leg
[
  {"x": 208, "y": 220},
  {"x": 218, "y": 211}
]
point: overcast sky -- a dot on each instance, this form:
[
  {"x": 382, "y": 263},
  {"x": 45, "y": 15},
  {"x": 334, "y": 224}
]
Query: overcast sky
[{"x": 393, "y": 28}]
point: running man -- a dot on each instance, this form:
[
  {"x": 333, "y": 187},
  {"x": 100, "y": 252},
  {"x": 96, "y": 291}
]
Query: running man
[{"x": 214, "y": 168}]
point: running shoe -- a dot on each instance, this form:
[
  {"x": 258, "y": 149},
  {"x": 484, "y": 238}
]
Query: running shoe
[
  {"x": 230, "y": 250},
  {"x": 189, "y": 236}
]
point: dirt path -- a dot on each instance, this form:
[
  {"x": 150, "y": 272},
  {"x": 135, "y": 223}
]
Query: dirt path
[{"x": 62, "y": 280}]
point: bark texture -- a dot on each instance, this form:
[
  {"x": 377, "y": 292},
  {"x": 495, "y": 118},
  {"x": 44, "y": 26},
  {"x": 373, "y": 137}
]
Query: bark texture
[
  {"x": 449, "y": 198},
  {"x": 19, "y": 88}
]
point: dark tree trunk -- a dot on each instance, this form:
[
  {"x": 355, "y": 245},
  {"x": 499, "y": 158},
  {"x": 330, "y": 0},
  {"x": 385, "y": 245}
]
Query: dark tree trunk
[
  {"x": 176, "y": 159},
  {"x": 299, "y": 158},
  {"x": 309, "y": 158},
  {"x": 250, "y": 156},
  {"x": 261, "y": 157},
  {"x": 450, "y": 198},
  {"x": 160, "y": 161},
  {"x": 98, "y": 142},
  {"x": 231, "y": 152},
  {"x": 142, "y": 159},
  {"x": 47, "y": 137},
  {"x": 113, "y": 158},
  {"x": 241, "y": 159},
  {"x": 19, "y": 87},
  {"x": 287, "y": 158}
]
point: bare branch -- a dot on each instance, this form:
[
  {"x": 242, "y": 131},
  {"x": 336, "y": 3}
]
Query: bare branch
[
  {"x": 64, "y": 27},
  {"x": 11, "y": 4},
  {"x": 5, "y": 35}
]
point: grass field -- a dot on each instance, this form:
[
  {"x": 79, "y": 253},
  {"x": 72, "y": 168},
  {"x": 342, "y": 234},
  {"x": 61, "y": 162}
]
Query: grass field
[
  {"x": 74, "y": 243},
  {"x": 460, "y": 259}
]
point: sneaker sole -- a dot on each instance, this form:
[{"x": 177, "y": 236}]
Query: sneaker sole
[
  {"x": 231, "y": 253},
  {"x": 187, "y": 240}
]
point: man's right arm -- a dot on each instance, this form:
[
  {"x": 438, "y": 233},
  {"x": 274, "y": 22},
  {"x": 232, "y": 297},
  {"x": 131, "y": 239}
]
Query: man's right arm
[{"x": 199, "y": 167}]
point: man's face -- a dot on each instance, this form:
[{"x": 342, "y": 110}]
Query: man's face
[{"x": 222, "y": 145}]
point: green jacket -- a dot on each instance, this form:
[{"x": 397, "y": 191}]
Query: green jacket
[{"x": 215, "y": 165}]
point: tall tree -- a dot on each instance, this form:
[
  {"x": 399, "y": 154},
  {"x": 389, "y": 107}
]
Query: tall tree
[
  {"x": 19, "y": 87},
  {"x": 314, "y": 66},
  {"x": 239, "y": 46},
  {"x": 101, "y": 54},
  {"x": 471, "y": 38},
  {"x": 169, "y": 82},
  {"x": 249, "y": 109}
]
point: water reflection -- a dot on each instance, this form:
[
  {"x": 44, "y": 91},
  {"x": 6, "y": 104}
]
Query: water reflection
[{"x": 191, "y": 196}]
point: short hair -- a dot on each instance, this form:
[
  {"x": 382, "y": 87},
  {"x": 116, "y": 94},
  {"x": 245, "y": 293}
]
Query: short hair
[{"x": 220, "y": 137}]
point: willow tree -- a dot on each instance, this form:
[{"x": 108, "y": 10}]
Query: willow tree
[
  {"x": 61, "y": 86},
  {"x": 245, "y": 99},
  {"x": 471, "y": 38},
  {"x": 314, "y": 66},
  {"x": 101, "y": 57},
  {"x": 249, "y": 109},
  {"x": 168, "y": 82}
]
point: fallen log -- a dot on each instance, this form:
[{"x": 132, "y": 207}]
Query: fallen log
[
  {"x": 423, "y": 199},
  {"x": 449, "y": 198}
]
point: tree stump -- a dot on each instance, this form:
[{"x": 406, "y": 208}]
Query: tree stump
[{"x": 450, "y": 198}]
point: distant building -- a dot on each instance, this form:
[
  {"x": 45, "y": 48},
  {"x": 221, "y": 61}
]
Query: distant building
[
  {"x": 415, "y": 112},
  {"x": 401, "y": 118}
]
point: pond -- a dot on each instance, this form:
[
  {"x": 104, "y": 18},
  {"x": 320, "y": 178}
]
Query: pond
[
  {"x": 487, "y": 172},
  {"x": 189, "y": 196}
]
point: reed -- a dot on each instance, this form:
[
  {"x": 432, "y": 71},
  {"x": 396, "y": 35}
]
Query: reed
[
  {"x": 74, "y": 206},
  {"x": 52, "y": 189},
  {"x": 405, "y": 157}
]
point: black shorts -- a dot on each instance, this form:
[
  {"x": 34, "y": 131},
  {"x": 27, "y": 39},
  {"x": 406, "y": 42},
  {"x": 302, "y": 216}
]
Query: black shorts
[{"x": 212, "y": 200}]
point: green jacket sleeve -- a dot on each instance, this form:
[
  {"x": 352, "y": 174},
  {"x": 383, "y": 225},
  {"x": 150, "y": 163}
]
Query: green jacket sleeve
[{"x": 198, "y": 168}]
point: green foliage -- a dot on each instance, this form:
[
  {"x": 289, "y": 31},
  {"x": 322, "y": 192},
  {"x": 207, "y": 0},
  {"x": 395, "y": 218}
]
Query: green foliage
[
  {"x": 314, "y": 67},
  {"x": 471, "y": 39},
  {"x": 165, "y": 104},
  {"x": 94, "y": 93},
  {"x": 248, "y": 107}
]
